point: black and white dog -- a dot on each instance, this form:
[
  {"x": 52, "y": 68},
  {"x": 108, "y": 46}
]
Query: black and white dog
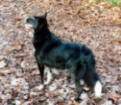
[{"x": 56, "y": 53}]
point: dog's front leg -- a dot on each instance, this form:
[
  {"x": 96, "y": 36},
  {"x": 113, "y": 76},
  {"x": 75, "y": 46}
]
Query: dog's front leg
[
  {"x": 78, "y": 90},
  {"x": 41, "y": 70}
]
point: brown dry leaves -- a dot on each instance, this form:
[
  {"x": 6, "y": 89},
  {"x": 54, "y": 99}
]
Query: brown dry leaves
[
  {"x": 98, "y": 25},
  {"x": 113, "y": 96}
]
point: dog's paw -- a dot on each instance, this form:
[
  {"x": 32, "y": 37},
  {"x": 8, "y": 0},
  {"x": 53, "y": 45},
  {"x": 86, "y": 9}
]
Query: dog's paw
[{"x": 77, "y": 99}]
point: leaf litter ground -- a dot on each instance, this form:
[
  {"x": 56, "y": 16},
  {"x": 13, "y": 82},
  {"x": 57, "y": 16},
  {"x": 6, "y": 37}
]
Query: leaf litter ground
[{"x": 97, "y": 25}]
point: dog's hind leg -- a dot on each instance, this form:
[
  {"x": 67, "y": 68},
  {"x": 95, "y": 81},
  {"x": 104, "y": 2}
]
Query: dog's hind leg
[
  {"x": 41, "y": 70},
  {"x": 77, "y": 75}
]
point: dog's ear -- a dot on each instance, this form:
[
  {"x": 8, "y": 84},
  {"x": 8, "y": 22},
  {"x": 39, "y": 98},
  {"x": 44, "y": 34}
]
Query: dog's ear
[
  {"x": 45, "y": 15},
  {"x": 32, "y": 21}
]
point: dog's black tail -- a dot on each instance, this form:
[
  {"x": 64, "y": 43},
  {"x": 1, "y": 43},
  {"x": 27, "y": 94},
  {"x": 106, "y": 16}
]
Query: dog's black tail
[{"x": 91, "y": 77}]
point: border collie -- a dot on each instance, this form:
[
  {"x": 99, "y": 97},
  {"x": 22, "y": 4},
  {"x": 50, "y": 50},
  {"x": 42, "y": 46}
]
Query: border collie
[{"x": 56, "y": 53}]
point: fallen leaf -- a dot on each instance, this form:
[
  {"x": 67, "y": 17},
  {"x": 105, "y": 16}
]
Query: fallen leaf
[
  {"x": 2, "y": 74},
  {"x": 53, "y": 93},
  {"x": 113, "y": 96},
  {"x": 2, "y": 63},
  {"x": 60, "y": 103},
  {"x": 1, "y": 99},
  {"x": 76, "y": 103},
  {"x": 15, "y": 44}
]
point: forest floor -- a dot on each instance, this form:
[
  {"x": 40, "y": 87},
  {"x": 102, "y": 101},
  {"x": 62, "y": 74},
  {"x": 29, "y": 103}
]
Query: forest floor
[{"x": 97, "y": 25}]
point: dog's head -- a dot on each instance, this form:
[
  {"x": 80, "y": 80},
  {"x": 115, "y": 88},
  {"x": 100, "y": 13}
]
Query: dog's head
[{"x": 38, "y": 22}]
